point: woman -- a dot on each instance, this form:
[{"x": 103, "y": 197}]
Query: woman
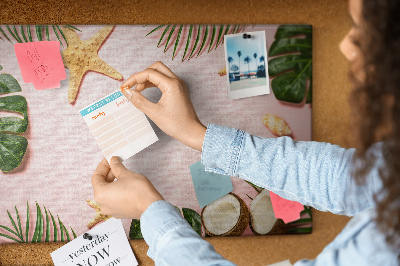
[{"x": 363, "y": 183}]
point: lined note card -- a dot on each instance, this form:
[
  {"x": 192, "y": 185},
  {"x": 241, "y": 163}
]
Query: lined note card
[{"x": 118, "y": 126}]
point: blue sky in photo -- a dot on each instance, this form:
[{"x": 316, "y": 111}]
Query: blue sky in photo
[{"x": 248, "y": 47}]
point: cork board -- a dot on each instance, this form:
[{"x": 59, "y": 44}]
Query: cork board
[{"x": 330, "y": 117}]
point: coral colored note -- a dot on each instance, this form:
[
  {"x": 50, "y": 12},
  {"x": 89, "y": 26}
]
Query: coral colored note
[
  {"x": 284, "y": 209},
  {"x": 41, "y": 63}
]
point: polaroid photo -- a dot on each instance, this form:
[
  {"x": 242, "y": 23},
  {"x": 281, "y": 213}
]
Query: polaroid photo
[{"x": 246, "y": 64}]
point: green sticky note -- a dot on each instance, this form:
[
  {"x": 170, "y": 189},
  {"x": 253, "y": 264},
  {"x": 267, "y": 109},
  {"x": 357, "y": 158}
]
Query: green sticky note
[{"x": 209, "y": 186}]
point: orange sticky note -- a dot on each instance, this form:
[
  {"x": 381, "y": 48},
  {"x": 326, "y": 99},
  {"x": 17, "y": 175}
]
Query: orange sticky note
[
  {"x": 287, "y": 210},
  {"x": 41, "y": 63}
]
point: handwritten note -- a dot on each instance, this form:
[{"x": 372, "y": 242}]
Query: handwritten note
[
  {"x": 41, "y": 63},
  {"x": 209, "y": 186},
  {"x": 118, "y": 126},
  {"x": 108, "y": 246},
  {"x": 287, "y": 210}
]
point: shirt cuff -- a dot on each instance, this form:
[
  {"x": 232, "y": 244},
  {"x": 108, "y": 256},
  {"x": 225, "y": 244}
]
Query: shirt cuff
[
  {"x": 222, "y": 148},
  {"x": 159, "y": 218}
]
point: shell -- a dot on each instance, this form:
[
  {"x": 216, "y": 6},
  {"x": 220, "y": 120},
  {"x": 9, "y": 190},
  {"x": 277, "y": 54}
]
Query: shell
[
  {"x": 276, "y": 125},
  {"x": 222, "y": 72}
]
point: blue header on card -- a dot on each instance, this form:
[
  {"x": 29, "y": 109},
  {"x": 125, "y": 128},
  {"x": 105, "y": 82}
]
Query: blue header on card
[{"x": 101, "y": 103}]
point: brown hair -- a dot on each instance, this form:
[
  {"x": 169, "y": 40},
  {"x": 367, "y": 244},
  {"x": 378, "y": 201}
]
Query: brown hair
[{"x": 375, "y": 101}]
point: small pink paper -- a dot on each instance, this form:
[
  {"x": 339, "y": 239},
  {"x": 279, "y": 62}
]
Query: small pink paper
[
  {"x": 41, "y": 63},
  {"x": 287, "y": 210}
]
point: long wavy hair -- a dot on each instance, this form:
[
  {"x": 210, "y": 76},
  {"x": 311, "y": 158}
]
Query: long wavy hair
[{"x": 375, "y": 102}]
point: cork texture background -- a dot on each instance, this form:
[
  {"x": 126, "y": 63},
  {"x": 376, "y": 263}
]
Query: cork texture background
[{"x": 331, "y": 112}]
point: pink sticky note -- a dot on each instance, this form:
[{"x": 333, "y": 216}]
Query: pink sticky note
[
  {"x": 41, "y": 63},
  {"x": 287, "y": 210}
]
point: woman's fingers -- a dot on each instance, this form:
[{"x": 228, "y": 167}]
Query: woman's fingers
[
  {"x": 100, "y": 174},
  {"x": 159, "y": 80},
  {"x": 160, "y": 67}
]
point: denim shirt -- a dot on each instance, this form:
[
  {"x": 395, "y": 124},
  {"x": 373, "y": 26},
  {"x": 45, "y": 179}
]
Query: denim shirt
[{"x": 312, "y": 173}]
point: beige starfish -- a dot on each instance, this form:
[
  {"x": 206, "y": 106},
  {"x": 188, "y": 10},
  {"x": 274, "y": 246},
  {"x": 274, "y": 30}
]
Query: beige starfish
[
  {"x": 99, "y": 217},
  {"x": 81, "y": 57}
]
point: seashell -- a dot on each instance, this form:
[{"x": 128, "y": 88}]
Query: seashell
[
  {"x": 276, "y": 125},
  {"x": 222, "y": 72}
]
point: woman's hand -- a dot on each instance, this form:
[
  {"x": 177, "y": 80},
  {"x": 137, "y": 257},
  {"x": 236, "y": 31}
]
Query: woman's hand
[
  {"x": 127, "y": 197},
  {"x": 174, "y": 113}
]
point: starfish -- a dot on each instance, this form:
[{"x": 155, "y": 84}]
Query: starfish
[
  {"x": 99, "y": 217},
  {"x": 81, "y": 56}
]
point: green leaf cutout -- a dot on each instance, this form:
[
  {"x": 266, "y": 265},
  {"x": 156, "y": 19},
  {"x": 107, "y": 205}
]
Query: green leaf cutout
[
  {"x": 12, "y": 147},
  {"x": 193, "y": 218},
  {"x": 293, "y": 65},
  {"x": 23, "y": 33},
  {"x": 197, "y": 41},
  {"x": 134, "y": 231},
  {"x": 8, "y": 84},
  {"x": 54, "y": 227},
  {"x": 47, "y": 226},
  {"x": 27, "y": 223},
  {"x": 162, "y": 36}
]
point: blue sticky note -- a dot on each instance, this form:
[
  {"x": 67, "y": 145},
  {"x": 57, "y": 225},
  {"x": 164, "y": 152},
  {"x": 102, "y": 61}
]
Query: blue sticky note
[{"x": 209, "y": 186}]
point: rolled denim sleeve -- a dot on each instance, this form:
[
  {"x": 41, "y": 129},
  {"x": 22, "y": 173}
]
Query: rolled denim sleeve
[
  {"x": 172, "y": 241},
  {"x": 312, "y": 173}
]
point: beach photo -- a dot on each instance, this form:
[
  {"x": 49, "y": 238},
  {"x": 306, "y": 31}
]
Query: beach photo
[{"x": 246, "y": 64}]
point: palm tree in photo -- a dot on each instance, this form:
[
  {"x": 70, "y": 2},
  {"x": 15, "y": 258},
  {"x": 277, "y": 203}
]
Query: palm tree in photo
[
  {"x": 247, "y": 60},
  {"x": 230, "y": 60},
  {"x": 239, "y": 54},
  {"x": 255, "y": 57},
  {"x": 262, "y": 60}
]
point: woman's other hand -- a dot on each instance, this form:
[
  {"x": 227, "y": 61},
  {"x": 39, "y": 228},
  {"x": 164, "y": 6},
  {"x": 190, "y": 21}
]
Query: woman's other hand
[{"x": 174, "y": 112}]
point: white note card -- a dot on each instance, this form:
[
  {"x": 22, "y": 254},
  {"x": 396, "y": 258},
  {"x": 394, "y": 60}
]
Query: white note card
[
  {"x": 109, "y": 246},
  {"x": 118, "y": 126}
]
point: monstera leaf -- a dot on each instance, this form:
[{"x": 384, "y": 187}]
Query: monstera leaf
[
  {"x": 193, "y": 218},
  {"x": 12, "y": 147},
  {"x": 293, "y": 65}
]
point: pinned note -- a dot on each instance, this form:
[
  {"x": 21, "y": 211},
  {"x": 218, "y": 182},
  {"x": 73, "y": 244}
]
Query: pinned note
[
  {"x": 107, "y": 245},
  {"x": 209, "y": 186},
  {"x": 118, "y": 126},
  {"x": 41, "y": 63},
  {"x": 284, "y": 209}
]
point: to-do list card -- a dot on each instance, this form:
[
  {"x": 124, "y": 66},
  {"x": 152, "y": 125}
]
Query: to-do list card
[{"x": 118, "y": 126}]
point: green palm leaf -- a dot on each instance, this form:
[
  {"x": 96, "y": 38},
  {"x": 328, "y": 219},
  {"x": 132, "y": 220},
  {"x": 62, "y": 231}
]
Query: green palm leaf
[
  {"x": 197, "y": 41},
  {"x": 12, "y": 34},
  {"x": 38, "y": 29},
  {"x": 291, "y": 70},
  {"x": 28, "y": 30},
  {"x": 156, "y": 28},
  {"x": 177, "y": 41},
  {"x": 47, "y": 226},
  {"x": 58, "y": 37},
  {"x": 204, "y": 41},
  {"x": 72, "y": 27},
  {"x": 187, "y": 41},
  {"x": 212, "y": 37},
  {"x": 5, "y": 35},
  {"x": 169, "y": 37},
  {"x": 162, "y": 36},
  {"x": 39, "y": 228},
  {"x": 221, "y": 30},
  {"x": 47, "y": 32},
  {"x": 54, "y": 227},
  {"x": 27, "y": 222},
  {"x": 23, "y": 33}
]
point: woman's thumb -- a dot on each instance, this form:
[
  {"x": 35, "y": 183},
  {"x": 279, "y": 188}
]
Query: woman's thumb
[
  {"x": 138, "y": 100},
  {"x": 117, "y": 167}
]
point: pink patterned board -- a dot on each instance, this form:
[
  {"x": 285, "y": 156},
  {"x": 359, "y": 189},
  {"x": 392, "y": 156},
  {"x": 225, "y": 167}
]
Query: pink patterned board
[{"x": 61, "y": 153}]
